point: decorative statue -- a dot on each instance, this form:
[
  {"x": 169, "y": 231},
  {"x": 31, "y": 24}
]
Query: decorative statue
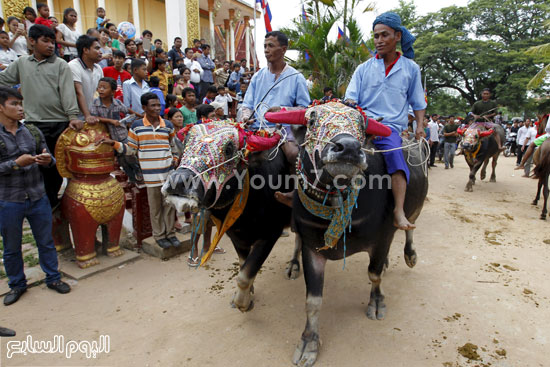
[{"x": 92, "y": 197}]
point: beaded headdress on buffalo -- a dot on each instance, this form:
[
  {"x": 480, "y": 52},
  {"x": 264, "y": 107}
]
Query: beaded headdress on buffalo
[{"x": 214, "y": 148}]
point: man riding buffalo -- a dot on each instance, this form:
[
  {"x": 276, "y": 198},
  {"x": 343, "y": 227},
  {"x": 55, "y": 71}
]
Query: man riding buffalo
[
  {"x": 275, "y": 86},
  {"x": 384, "y": 87},
  {"x": 484, "y": 111}
]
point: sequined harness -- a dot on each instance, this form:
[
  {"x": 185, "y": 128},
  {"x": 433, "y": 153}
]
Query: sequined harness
[{"x": 331, "y": 119}]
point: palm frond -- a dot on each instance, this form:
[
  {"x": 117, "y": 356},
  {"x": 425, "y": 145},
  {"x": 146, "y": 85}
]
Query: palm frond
[
  {"x": 539, "y": 78},
  {"x": 540, "y": 50}
]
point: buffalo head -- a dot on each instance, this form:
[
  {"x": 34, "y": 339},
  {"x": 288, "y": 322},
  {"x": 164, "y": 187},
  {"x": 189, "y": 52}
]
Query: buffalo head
[
  {"x": 213, "y": 165},
  {"x": 472, "y": 137},
  {"x": 332, "y": 135}
]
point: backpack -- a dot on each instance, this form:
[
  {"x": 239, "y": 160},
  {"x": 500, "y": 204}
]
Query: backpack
[{"x": 35, "y": 132}]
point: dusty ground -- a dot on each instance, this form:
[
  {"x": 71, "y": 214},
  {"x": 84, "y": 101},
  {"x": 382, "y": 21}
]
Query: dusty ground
[{"x": 481, "y": 279}]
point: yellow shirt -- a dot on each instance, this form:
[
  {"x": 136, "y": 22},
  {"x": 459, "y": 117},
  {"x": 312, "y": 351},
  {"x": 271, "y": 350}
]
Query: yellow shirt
[{"x": 163, "y": 78}]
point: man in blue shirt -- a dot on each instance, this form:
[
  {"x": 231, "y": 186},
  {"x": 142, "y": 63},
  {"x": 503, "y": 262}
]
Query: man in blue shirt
[
  {"x": 208, "y": 66},
  {"x": 385, "y": 86},
  {"x": 275, "y": 86}
]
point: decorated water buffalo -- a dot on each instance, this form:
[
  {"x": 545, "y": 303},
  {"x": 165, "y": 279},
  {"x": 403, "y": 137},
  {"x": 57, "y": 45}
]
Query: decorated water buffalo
[
  {"x": 92, "y": 197},
  {"x": 480, "y": 146},
  {"x": 344, "y": 203},
  {"x": 542, "y": 171},
  {"x": 226, "y": 169}
]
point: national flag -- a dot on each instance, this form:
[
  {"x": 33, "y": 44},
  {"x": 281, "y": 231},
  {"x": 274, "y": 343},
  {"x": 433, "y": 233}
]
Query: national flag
[
  {"x": 340, "y": 33},
  {"x": 267, "y": 14},
  {"x": 368, "y": 48},
  {"x": 305, "y": 19}
]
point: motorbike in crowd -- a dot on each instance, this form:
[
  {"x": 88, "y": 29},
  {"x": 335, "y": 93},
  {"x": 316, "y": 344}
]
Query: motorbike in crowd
[{"x": 510, "y": 144}]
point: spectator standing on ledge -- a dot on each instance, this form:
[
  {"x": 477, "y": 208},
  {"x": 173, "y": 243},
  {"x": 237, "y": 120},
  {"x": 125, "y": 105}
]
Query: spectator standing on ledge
[
  {"x": 69, "y": 34},
  {"x": 208, "y": 66},
  {"x": 86, "y": 74}
]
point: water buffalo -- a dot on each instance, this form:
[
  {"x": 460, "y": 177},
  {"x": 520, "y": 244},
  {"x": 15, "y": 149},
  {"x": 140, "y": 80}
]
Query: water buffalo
[
  {"x": 542, "y": 171},
  {"x": 479, "y": 146},
  {"x": 334, "y": 215},
  {"x": 219, "y": 161}
]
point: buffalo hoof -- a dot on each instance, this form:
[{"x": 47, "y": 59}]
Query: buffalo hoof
[
  {"x": 543, "y": 216},
  {"x": 243, "y": 303},
  {"x": 292, "y": 270},
  {"x": 535, "y": 202},
  {"x": 469, "y": 188},
  {"x": 386, "y": 264},
  {"x": 410, "y": 259},
  {"x": 376, "y": 310},
  {"x": 493, "y": 179},
  {"x": 306, "y": 352},
  {"x": 482, "y": 175}
]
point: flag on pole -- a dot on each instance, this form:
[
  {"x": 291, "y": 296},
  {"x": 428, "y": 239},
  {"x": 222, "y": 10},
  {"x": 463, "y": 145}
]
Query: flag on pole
[
  {"x": 340, "y": 33},
  {"x": 267, "y": 14},
  {"x": 305, "y": 19}
]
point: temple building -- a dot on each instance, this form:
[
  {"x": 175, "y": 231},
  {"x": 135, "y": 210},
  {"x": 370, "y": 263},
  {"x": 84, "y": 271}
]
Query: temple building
[{"x": 224, "y": 24}]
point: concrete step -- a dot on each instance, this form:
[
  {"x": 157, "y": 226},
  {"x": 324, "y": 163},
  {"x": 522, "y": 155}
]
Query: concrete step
[{"x": 149, "y": 246}]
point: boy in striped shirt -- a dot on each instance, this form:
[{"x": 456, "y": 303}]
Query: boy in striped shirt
[{"x": 152, "y": 140}]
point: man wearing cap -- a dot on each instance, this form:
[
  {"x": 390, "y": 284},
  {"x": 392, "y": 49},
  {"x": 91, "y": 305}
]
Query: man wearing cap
[{"x": 384, "y": 87}]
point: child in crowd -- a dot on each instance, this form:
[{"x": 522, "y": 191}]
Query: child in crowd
[
  {"x": 205, "y": 112},
  {"x": 30, "y": 17},
  {"x": 101, "y": 21},
  {"x": 134, "y": 88},
  {"x": 218, "y": 111},
  {"x": 160, "y": 73},
  {"x": 152, "y": 139},
  {"x": 44, "y": 12},
  {"x": 224, "y": 98},
  {"x": 68, "y": 34},
  {"x": 110, "y": 110},
  {"x": 211, "y": 93},
  {"x": 188, "y": 109},
  {"x": 234, "y": 82},
  {"x": 154, "y": 83},
  {"x": 328, "y": 94},
  {"x": 171, "y": 102},
  {"x": 117, "y": 72},
  {"x": 23, "y": 155},
  {"x": 240, "y": 99},
  {"x": 7, "y": 55}
]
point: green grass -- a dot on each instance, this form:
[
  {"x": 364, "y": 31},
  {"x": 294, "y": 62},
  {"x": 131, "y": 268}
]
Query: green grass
[
  {"x": 28, "y": 238},
  {"x": 2, "y": 274},
  {"x": 30, "y": 260}
]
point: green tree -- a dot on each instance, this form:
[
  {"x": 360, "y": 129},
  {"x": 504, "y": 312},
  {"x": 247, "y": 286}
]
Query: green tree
[
  {"x": 467, "y": 49},
  {"x": 542, "y": 51}
]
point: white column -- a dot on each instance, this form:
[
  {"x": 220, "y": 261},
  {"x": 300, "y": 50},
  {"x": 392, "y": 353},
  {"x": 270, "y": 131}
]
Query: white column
[
  {"x": 176, "y": 21},
  {"x": 212, "y": 35},
  {"x": 212, "y": 31},
  {"x": 50, "y": 6},
  {"x": 227, "y": 42},
  {"x": 135, "y": 13},
  {"x": 2, "y": 12},
  {"x": 232, "y": 40},
  {"x": 76, "y": 6},
  {"x": 101, "y": 4},
  {"x": 33, "y": 4},
  {"x": 247, "y": 41}
]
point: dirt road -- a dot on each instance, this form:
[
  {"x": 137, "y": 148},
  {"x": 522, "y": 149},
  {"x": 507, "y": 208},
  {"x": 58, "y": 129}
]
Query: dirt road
[{"x": 481, "y": 278}]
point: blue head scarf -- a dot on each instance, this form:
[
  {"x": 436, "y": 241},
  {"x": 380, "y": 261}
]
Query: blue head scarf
[{"x": 393, "y": 21}]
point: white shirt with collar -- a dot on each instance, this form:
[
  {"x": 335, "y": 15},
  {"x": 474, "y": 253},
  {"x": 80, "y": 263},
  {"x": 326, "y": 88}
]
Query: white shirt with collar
[
  {"x": 522, "y": 134},
  {"x": 196, "y": 77},
  {"x": 88, "y": 78},
  {"x": 7, "y": 56},
  {"x": 434, "y": 131},
  {"x": 531, "y": 135}
]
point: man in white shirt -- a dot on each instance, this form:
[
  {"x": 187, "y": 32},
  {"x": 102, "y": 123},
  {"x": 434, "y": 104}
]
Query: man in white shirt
[
  {"x": 522, "y": 135},
  {"x": 196, "y": 72},
  {"x": 433, "y": 139},
  {"x": 531, "y": 136},
  {"x": 86, "y": 74},
  {"x": 188, "y": 59}
]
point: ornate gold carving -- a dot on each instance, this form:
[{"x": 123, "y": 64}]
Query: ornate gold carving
[
  {"x": 193, "y": 21},
  {"x": 14, "y": 8},
  {"x": 82, "y": 141},
  {"x": 102, "y": 200}
]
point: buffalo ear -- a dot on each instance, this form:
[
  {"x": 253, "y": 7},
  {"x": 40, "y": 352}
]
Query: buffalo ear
[
  {"x": 299, "y": 132},
  {"x": 256, "y": 159}
]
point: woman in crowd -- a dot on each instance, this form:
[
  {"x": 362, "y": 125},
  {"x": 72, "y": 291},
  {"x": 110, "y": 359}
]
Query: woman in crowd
[
  {"x": 18, "y": 37},
  {"x": 68, "y": 34}
]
